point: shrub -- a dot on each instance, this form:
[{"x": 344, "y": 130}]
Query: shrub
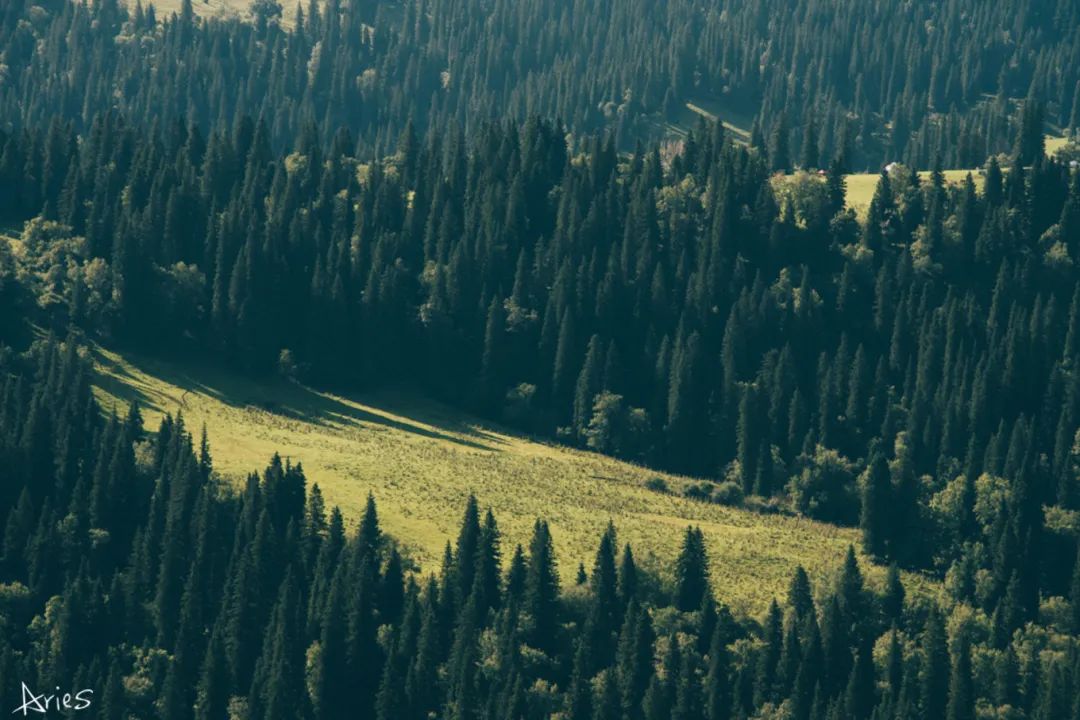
[
  {"x": 728, "y": 493},
  {"x": 519, "y": 409},
  {"x": 699, "y": 491},
  {"x": 657, "y": 484},
  {"x": 825, "y": 489},
  {"x": 616, "y": 428}
]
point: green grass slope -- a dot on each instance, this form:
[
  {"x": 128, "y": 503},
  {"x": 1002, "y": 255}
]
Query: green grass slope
[{"x": 421, "y": 460}]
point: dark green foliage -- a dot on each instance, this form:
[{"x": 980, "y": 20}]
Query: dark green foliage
[
  {"x": 1075, "y": 595},
  {"x": 935, "y": 668},
  {"x": 617, "y": 302},
  {"x": 836, "y": 644},
  {"x": 541, "y": 599},
  {"x": 634, "y": 661},
  {"x": 352, "y": 632},
  {"x": 688, "y": 703},
  {"x": 876, "y": 507},
  {"x": 1030, "y": 143},
  {"x": 607, "y": 704},
  {"x": 487, "y": 585},
  {"x": 892, "y": 601},
  {"x": 806, "y": 691},
  {"x": 855, "y": 104},
  {"x": 859, "y": 698},
  {"x": 769, "y": 658},
  {"x": 718, "y": 691},
  {"x": 466, "y": 551},
  {"x": 961, "y": 688},
  {"x": 628, "y": 578},
  {"x": 605, "y": 616},
  {"x": 277, "y": 691},
  {"x": 691, "y": 571},
  {"x": 800, "y": 598},
  {"x": 779, "y": 154},
  {"x": 234, "y": 190},
  {"x": 579, "y": 702}
]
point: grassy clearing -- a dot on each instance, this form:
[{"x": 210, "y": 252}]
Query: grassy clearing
[
  {"x": 218, "y": 8},
  {"x": 1054, "y": 144},
  {"x": 861, "y": 186},
  {"x": 421, "y": 460},
  {"x": 202, "y": 8}
]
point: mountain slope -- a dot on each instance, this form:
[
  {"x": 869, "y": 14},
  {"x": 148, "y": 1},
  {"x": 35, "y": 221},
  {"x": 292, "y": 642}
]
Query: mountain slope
[{"x": 421, "y": 461}]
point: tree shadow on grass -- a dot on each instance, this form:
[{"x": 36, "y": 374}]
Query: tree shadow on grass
[{"x": 279, "y": 397}]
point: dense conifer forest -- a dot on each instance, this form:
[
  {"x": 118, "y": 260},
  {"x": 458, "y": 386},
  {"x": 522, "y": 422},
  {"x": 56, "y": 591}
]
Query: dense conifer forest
[
  {"x": 480, "y": 199},
  {"x": 134, "y": 570},
  {"x": 809, "y": 80}
]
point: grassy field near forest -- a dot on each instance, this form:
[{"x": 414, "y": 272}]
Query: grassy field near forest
[
  {"x": 202, "y": 8},
  {"x": 861, "y": 186},
  {"x": 219, "y": 8},
  {"x": 421, "y": 460}
]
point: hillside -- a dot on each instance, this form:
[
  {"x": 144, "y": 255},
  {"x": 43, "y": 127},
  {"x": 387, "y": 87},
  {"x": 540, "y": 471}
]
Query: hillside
[
  {"x": 473, "y": 360},
  {"x": 421, "y": 460}
]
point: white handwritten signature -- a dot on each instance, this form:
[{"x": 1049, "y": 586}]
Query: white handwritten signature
[{"x": 43, "y": 703}]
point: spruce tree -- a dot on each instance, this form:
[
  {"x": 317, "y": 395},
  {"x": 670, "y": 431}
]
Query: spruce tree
[
  {"x": 859, "y": 699},
  {"x": 589, "y": 383},
  {"x": 691, "y": 571},
  {"x": 876, "y": 507},
  {"x": 769, "y": 658},
  {"x": 607, "y": 703},
  {"x": 329, "y": 684},
  {"x": 835, "y": 648},
  {"x": 605, "y": 614},
  {"x": 628, "y": 579},
  {"x": 688, "y": 703},
  {"x": 961, "y": 704},
  {"x": 277, "y": 691},
  {"x": 779, "y": 158},
  {"x": 634, "y": 659},
  {"x": 541, "y": 599},
  {"x": 718, "y": 693},
  {"x": 488, "y": 562},
  {"x": 465, "y": 554},
  {"x": 800, "y": 597},
  {"x": 935, "y": 670},
  {"x": 1030, "y": 141},
  {"x": 579, "y": 698},
  {"x": 807, "y": 687}
]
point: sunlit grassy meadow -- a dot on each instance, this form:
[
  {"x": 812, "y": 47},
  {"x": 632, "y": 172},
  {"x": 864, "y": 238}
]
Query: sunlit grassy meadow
[
  {"x": 421, "y": 460},
  {"x": 219, "y": 8},
  {"x": 861, "y": 186},
  {"x": 203, "y": 8},
  {"x": 1055, "y": 143}
]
